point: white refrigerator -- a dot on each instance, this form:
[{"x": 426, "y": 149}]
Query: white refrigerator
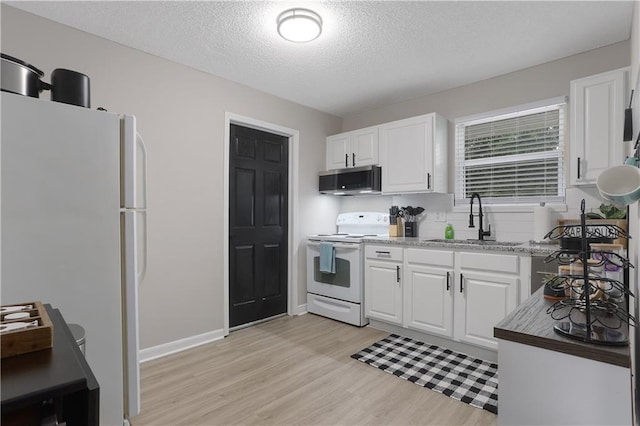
[{"x": 73, "y": 231}]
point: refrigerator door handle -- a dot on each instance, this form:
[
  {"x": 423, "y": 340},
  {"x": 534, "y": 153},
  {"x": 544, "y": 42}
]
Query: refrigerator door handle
[
  {"x": 128, "y": 162},
  {"x": 130, "y": 311},
  {"x": 143, "y": 182},
  {"x": 134, "y": 166},
  {"x": 142, "y": 272},
  {"x": 143, "y": 172}
]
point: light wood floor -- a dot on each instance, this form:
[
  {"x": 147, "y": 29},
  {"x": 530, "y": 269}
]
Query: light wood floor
[{"x": 292, "y": 370}]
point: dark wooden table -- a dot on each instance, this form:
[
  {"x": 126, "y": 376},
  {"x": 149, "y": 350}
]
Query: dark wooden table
[{"x": 57, "y": 380}]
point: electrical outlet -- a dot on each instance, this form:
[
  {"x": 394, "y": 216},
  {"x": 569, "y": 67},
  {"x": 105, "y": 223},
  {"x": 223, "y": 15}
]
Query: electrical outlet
[{"x": 440, "y": 216}]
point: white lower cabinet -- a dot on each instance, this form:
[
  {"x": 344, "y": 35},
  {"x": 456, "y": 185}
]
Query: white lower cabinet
[
  {"x": 458, "y": 295},
  {"x": 483, "y": 300},
  {"x": 487, "y": 291},
  {"x": 428, "y": 301},
  {"x": 382, "y": 283}
]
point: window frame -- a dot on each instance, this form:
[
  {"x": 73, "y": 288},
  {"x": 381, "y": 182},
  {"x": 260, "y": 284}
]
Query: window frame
[{"x": 561, "y": 104}]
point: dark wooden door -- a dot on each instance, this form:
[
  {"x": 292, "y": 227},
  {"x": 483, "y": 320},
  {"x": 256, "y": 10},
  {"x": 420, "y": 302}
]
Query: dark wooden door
[{"x": 258, "y": 205}]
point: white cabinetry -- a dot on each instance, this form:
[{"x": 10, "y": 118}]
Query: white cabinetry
[
  {"x": 413, "y": 155},
  {"x": 353, "y": 149},
  {"x": 597, "y": 122},
  {"x": 428, "y": 300},
  {"x": 487, "y": 290},
  {"x": 382, "y": 283},
  {"x": 458, "y": 295}
]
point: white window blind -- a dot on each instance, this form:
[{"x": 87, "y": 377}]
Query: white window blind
[{"x": 512, "y": 158}]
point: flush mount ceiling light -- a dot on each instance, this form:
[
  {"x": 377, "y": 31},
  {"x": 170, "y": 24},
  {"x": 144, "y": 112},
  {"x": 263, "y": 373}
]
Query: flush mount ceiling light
[{"x": 299, "y": 25}]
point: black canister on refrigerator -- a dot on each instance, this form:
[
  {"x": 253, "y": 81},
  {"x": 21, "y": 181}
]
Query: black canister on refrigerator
[{"x": 70, "y": 87}]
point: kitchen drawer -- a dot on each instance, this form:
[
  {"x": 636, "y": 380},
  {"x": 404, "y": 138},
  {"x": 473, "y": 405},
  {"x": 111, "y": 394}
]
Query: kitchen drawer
[
  {"x": 440, "y": 258},
  {"x": 490, "y": 262},
  {"x": 385, "y": 252}
]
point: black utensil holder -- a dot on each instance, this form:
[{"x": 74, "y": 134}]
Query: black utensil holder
[{"x": 410, "y": 229}]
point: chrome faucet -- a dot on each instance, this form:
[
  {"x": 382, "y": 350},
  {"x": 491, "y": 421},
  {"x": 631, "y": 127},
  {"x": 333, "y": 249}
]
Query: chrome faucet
[{"x": 481, "y": 232}]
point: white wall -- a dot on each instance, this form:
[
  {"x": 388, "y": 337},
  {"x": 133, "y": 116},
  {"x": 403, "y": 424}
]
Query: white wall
[
  {"x": 180, "y": 114},
  {"x": 540, "y": 82}
]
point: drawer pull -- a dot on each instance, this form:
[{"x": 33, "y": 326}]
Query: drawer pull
[{"x": 387, "y": 253}]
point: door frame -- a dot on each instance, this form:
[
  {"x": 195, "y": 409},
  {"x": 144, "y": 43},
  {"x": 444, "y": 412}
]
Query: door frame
[{"x": 292, "y": 222}]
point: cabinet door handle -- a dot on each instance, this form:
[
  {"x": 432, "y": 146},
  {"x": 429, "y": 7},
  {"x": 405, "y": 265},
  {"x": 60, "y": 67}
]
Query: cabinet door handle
[
  {"x": 346, "y": 160},
  {"x": 398, "y": 274},
  {"x": 578, "y": 167},
  {"x": 428, "y": 180},
  {"x": 353, "y": 159},
  {"x": 461, "y": 283},
  {"x": 448, "y": 281}
]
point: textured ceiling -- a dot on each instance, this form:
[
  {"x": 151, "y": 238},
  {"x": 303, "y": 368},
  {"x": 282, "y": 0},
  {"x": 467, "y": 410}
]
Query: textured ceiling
[{"x": 369, "y": 53}]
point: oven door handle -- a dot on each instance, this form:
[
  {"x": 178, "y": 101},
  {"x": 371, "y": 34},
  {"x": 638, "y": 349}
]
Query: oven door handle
[{"x": 352, "y": 246}]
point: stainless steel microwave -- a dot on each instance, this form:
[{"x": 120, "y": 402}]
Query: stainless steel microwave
[{"x": 358, "y": 180}]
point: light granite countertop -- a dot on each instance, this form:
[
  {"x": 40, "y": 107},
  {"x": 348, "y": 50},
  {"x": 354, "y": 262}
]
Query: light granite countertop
[{"x": 520, "y": 248}]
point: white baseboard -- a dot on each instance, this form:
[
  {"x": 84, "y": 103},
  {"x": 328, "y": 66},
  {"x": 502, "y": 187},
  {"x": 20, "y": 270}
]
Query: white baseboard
[
  {"x": 300, "y": 309},
  {"x": 155, "y": 352},
  {"x": 176, "y": 346}
]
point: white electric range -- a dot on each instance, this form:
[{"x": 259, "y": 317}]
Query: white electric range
[{"x": 340, "y": 295}]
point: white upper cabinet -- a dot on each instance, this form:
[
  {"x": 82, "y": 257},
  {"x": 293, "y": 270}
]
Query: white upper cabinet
[
  {"x": 413, "y": 155},
  {"x": 353, "y": 149},
  {"x": 597, "y": 122}
]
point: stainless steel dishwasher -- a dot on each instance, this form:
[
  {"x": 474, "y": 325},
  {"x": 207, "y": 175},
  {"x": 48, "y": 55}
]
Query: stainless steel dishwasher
[{"x": 540, "y": 269}]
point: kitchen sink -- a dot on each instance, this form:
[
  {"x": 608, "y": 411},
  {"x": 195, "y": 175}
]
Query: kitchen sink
[{"x": 475, "y": 242}]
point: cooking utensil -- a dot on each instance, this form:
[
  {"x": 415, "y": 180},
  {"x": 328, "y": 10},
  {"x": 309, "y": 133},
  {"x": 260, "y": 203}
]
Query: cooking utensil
[
  {"x": 20, "y": 77},
  {"x": 70, "y": 87},
  {"x": 628, "y": 121},
  {"x": 410, "y": 213}
]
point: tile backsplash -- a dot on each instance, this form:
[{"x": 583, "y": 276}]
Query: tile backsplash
[{"x": 439, "y": 210}]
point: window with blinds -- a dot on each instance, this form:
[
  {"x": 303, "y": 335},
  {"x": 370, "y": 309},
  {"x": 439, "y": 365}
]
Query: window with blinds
[{"x": 512, "y": 157}]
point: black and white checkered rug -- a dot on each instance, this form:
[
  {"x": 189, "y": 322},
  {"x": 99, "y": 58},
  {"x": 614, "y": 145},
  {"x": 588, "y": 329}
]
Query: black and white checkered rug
[{"x": 457, "y": 375}]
